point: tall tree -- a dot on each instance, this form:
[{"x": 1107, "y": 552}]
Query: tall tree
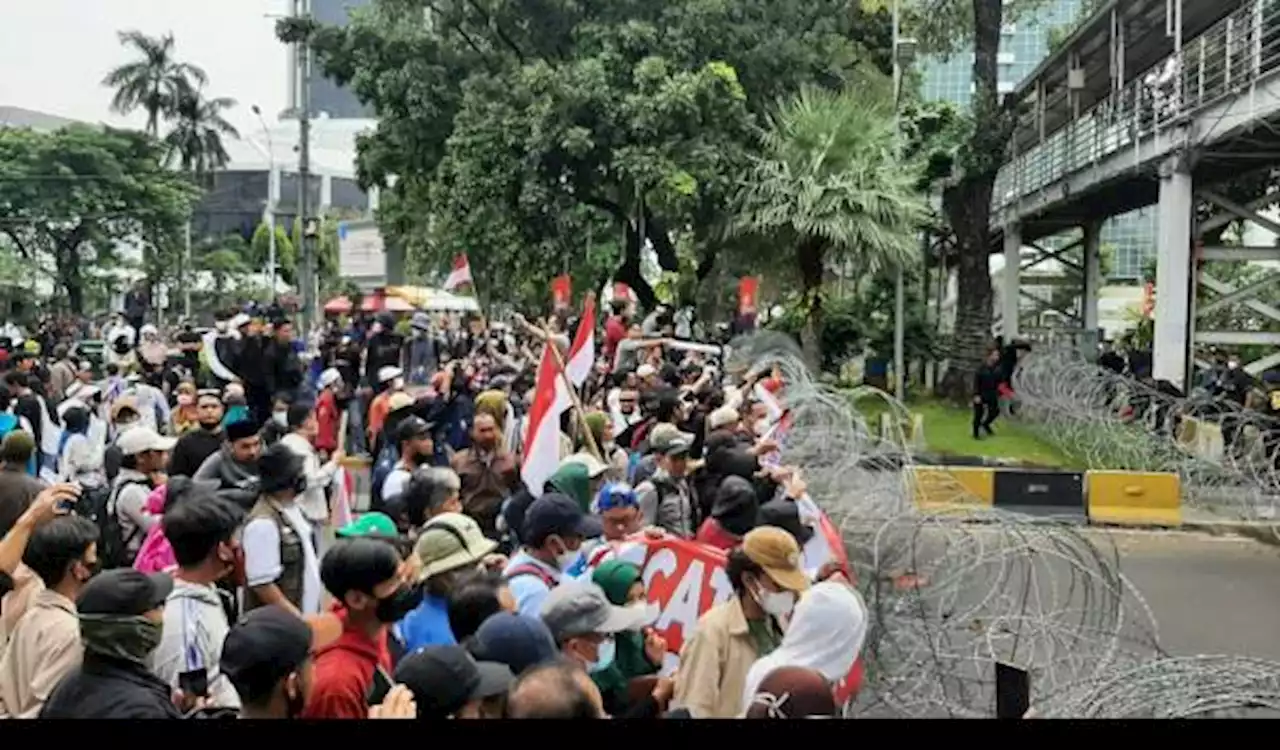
[
  {"x": 524, "y": 127},
  {"x": 195, "y": 141},
  {"x": 74, "y": 196},
  {"x": 155, "y": 82},
  {"x": 831, "y": 188}
]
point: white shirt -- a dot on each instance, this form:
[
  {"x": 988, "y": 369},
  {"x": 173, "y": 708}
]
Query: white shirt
[
  {"x": 195, "y": 625},
  {"x": 261, "y": 540},
  {"x": 314, "y": 502},
  {"x": 395, "y": 482}
]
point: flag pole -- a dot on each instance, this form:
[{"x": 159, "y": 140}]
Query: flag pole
[{"x": 573, "y": 395}]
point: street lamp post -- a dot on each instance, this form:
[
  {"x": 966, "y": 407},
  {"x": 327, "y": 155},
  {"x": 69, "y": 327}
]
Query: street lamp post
[
  {"x": 269, "y": 208},
  {"x": 903, "y": 49}
]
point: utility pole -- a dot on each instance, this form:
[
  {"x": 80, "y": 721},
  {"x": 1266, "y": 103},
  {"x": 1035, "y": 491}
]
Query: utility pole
[
  {"x": 303, "y": 52},
  {"x": 189, "y": 276},
  {"x": 899, "y": 306}
]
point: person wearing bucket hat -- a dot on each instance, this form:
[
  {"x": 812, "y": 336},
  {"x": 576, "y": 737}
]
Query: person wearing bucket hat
[
  {"x": 448, "y": 546},
  {"x": 767, "y": 580}
]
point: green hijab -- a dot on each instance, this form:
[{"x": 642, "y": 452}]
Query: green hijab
[
  {"x": 617, "y": 577},
  {"x": 572, "y": 480}
]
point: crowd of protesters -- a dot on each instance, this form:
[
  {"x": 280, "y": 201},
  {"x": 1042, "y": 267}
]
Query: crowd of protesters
[{"x": 183, "y": 535}]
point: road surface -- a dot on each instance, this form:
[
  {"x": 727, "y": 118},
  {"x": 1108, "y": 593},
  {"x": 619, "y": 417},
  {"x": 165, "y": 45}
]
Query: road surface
[{"x": 1210, "y": 594}]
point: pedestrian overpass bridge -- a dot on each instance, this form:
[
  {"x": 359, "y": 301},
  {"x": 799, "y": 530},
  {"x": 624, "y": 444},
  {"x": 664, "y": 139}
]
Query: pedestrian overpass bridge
[{"x": 1151, "y": 102}]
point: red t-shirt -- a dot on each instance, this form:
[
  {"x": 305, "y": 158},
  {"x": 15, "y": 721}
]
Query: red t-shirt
[
  {"x": 344, "y": 674},
  {"x": 614, "y": 331},
  {"x": 327, "y": 422}
]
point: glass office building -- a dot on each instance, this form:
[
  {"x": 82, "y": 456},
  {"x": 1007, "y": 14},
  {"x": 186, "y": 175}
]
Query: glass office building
[
  {"x": 1023, "y": 45},
  {"x": 327, "y": 97}
]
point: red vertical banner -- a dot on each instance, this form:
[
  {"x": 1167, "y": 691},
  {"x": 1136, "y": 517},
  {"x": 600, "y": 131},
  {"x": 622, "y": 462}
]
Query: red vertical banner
[
  {"x": 747, "y": 288},
  {"x": 561, "y": 291}
]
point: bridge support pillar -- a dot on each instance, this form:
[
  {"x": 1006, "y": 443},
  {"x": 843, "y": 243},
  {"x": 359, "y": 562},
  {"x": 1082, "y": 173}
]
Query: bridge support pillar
[
  {"x": 1009, "y": 293},
  {"x": 1174, "y": 274},
  {"x": 1092, "y": 282}
]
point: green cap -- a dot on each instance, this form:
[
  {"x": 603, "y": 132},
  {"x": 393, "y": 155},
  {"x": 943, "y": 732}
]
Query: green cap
[{"x": 370, "y": 524}]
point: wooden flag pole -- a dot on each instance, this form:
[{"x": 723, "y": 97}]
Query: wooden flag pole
[{"x": 573, "y": 396}]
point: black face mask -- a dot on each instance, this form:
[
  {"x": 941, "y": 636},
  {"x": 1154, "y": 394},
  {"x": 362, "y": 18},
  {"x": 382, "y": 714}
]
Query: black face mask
[
  {"x": 300, "y": 484},
  {"x": 394, "y": 608}
]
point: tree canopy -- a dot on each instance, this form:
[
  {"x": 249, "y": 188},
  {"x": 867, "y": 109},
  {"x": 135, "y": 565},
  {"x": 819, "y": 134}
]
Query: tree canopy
[
  {"x": 540, "y": 134},
  {"x": 75, "y": 194}
]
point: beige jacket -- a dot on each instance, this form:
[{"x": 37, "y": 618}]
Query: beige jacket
[
  {"x": 45, "y": 647},
  {"x": 714, "y": 663},
  {"x": 26, "y": 584}
]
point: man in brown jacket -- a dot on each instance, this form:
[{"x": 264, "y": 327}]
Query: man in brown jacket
[
  {"x": 45, "y": 645},
  {"x": 488, "y": 472},
  {"x": 767, "y": 581}
]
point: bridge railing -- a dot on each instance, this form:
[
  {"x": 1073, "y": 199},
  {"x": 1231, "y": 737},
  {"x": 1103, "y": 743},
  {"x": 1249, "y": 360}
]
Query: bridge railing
[{"x": 1226, "y": 59}]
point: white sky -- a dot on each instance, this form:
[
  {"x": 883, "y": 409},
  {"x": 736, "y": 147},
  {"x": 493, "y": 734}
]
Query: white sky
[{"x": 55, "y": 53}]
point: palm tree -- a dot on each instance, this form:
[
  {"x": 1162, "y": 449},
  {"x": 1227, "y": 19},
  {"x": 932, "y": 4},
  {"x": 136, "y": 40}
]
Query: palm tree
[
  {"x": 155, "y": 82},
  {"x": 830, "y": 187},
  {"x": 195, "y": 142}
]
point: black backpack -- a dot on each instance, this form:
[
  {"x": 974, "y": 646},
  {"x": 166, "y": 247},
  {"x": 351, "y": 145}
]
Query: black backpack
[{"x": 98, "y": 504}]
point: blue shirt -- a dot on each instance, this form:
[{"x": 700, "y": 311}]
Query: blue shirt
[
  {"x": 427, "y": 625},
  {"x": 528, "y": 590}
]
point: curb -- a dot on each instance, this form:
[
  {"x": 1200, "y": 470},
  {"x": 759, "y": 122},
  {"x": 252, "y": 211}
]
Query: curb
[{"x": 1259, "y": 531}]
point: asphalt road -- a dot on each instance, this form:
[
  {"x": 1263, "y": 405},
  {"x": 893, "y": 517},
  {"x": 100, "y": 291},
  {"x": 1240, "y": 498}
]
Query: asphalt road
[{"x": 1209, "y": 594}]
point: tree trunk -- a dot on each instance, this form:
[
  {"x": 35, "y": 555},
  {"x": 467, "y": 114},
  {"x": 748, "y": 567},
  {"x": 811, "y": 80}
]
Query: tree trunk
[
  {"x": 968, "y": 206},
  {"x": 68, "y": 267},
  {"x": 809, "y": 257},
  {"x": 629, "y": 271}
]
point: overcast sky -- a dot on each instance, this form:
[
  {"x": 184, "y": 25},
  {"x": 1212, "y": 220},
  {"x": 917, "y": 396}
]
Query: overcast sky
[{"x": 55, "y": 53}]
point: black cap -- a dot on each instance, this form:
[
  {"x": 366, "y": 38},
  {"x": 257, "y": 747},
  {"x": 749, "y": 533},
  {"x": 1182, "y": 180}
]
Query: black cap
[
  {"x": 785, "y": 515},
  {"x": 443, "y": 679},
  {"x": 263, "y": 648},
  {"x": 413, "y": 428},
  {"x": 241, "y": 429},
  {"x": 554, "y": 513},
  {"x": 124, "y": 592}
]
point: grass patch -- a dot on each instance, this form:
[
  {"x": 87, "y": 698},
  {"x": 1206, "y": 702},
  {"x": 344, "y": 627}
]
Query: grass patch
[{"x": 947, "y": 431}]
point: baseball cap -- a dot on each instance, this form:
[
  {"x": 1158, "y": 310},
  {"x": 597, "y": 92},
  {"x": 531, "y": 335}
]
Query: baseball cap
[
  {"x": 420, "y": 321},
  {"x": 413, "y": 428},
  {"x": 265, "y": 646},
  {"x": 785, "y": 515},
  {"x": 595, "y": 467},
  {"x": 370, "y": 524},
  {"x": 722, "y": 417},
  {"x": 389, "y": 373},
  {"x": 778, "y": 553},
  {"x": 240, "y": 320},
  {"x": 125, "y": 592},
  {"x": 668, "y": 440},
  {"x": 329, "y": 377},
  {"x": 122, "y": 403},
  {"x": 554, "y": 513},
  {"x": 517, "y": 641},
  {"x": 142, "y": 439},
  {"x": 443, "y": 679},
  {"x": 581, "y": 607},
  {"x": 450, "y": 541}
]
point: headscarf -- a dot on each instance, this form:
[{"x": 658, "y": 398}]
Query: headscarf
[
  {"x": 616, "y": 577},
  {"x": 571, "y": 479},
  {"x": 596, "y": 421},
  {"x": 826, "y": 634},
  {"x": 493, "y": 403},
  {"x": 792, "y": 693},
  {"x": 736, "y": 507}
]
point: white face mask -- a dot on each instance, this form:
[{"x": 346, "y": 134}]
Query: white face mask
[
  {"x": 779, "y": 604},
  {"x": 566, "y": 559},
  {"x": 281, "y": 418},
  {"x": 397, "y": 384}
]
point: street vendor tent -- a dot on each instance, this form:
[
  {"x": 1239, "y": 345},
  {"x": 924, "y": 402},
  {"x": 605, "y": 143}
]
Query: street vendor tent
[
  {"x": 434, "y": 300},
  {"x": 372, "y": 303}
]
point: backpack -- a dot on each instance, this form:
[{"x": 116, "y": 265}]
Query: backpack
[
  {"x": 533, "y": 570},
  {"x": 98, "y": 504},
  {"x": 382, "y": 468}
]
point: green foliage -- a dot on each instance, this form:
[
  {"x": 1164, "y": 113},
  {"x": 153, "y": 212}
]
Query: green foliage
[
  {"x": 195, "y": 142},
  {"x": 286, "y": 252},
  {"x": 225, "y": 259},
  {"x": 540, "y": 135},
  {"x": 71, "y": 195},
  {"x": 155, "y": 82}
]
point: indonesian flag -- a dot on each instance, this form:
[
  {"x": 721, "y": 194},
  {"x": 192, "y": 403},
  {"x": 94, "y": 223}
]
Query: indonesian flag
[
  {"x": 771, "y": 403},
  {"x": 583, "y": 352},
  {"x": 461, "y": 273},
  {"x": 542, "y": 440}
]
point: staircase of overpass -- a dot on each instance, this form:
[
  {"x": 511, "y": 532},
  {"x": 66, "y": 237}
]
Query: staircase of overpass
[{"x": 1150, "y": 102}]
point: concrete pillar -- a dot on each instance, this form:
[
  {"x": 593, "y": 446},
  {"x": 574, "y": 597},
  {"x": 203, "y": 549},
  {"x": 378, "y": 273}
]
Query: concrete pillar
[
  {"x": 1174, "y": 274},
  {"x": 1009, "y": 295},
  {"x": 1092, "y": 279}
]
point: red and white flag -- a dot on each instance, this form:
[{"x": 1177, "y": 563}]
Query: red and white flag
[
  {"x": 542, "y": 440},
  {"x": 583, "y": 352},
  {"x": 461, "y": 273}
]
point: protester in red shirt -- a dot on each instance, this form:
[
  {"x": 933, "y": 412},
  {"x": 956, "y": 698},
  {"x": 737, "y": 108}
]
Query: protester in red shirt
[
  {"x": 367, "y": 577},
  {"x": 327, "y": 415},
  {"x": 615, "y": 327},
  {"x": 732, "y": 515}
]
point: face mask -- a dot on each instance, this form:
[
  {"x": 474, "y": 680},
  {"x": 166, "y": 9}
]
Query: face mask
[
  {"x": 604, "y": 657},
  {"x": 567, "y": 558},
  {"x": 281, "y": 418},
  {"x": 185, "y": 399},
  {"x": 397, "y": 384},
  {"x": 777, "y": 603},
  {"x": 394, "y": 608},
  {"x": 131, "y": 639}
]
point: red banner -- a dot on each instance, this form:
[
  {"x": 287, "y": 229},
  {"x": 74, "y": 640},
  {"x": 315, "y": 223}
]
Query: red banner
[
  {"x": 621, "y": 291},
  {"x": 561, "y": 291},
  {"x": 747, "y": 288}
]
